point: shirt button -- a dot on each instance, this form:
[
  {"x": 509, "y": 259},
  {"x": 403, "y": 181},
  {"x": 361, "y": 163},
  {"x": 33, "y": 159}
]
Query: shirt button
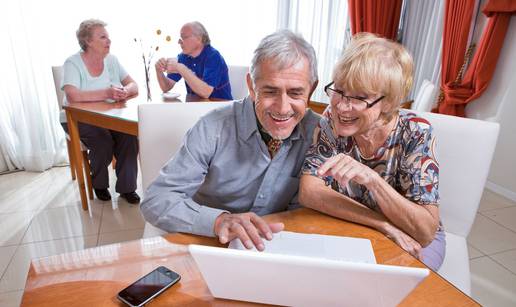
[{"x": 260, "y": 196}]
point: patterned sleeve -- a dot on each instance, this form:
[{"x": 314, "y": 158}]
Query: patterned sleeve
[
  {"x": 320, "y": 150},
  {"x": 419, "y": 169}
]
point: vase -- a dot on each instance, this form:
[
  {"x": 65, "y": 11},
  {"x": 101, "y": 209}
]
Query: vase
[{"x": 147, "y": 83}]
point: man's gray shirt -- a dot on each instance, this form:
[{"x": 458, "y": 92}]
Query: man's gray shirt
[{"x": 224, "y": 166}]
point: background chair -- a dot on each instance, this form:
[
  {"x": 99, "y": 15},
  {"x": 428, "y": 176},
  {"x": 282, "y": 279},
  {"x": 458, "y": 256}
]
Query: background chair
[
  {"x": 161, "y": 128},
  {"x": 237, "y": 79},
  {"x": 425, "y": 97},
  {"x": 57, "y": 72},
  {"x": 465, "y": 149}
]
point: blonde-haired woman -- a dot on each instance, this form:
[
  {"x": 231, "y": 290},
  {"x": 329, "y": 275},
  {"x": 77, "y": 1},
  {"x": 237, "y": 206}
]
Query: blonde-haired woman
[{"x": 371, "y": 162}]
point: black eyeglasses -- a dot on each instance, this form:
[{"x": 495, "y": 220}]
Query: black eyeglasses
[{"x": 358, "y": 103}]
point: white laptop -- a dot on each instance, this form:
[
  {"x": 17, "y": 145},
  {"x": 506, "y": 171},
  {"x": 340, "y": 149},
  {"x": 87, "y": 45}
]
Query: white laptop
[{"x": 294, "y": 280}]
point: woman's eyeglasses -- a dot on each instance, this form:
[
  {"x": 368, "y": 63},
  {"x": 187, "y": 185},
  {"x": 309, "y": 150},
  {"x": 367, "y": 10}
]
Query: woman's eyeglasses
[{"x": 358, "y": 103}]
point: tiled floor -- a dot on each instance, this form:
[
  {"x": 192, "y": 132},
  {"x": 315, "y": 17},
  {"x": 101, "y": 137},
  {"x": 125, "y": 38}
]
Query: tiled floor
[{"x": 31, "y": 202}]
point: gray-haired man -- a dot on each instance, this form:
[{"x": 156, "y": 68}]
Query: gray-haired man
[
  {"x": 243, "y": 161},
  {"x": 202, "y": 66}
]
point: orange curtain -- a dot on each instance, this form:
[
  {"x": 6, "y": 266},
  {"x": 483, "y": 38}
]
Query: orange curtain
[
  {"x": 482, "y": 67},
  {"x": 381, "y": 17}
]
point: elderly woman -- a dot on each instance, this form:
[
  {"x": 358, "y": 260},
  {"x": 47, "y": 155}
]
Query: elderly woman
[
  {"x": 90, "y": 75},
  {"x": 371, "y": 162}
]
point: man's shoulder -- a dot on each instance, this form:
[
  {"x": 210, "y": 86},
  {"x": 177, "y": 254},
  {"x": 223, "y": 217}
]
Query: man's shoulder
[
  {"x": 221, "y": 115},
  {"x": 311, "y": 119}
]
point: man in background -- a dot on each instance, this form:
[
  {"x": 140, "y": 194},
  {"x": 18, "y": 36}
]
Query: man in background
[{"x": 202, "y": 66}]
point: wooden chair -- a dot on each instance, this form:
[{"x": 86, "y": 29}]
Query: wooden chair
[{"x": 57, "y": 72}]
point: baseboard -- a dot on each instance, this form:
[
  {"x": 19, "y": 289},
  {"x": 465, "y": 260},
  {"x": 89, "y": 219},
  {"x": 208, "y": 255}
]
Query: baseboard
[{"x": 501, "y": 190}]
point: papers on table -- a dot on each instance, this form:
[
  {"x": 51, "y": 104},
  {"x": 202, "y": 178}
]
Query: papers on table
[{"x": 318, "y": 246}]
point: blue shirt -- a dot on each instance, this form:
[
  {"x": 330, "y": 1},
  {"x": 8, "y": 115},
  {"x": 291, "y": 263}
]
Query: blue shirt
[
  {"x": 224, "y": 166},
  {"x": 210, "y": 67}
]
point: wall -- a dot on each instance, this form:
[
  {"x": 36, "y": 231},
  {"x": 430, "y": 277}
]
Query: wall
[{"x": 498, "y": 103}]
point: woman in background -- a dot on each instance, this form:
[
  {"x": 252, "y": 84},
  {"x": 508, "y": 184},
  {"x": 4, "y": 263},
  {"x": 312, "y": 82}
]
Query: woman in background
[
  {"x": 93, "y": 74},
  {"x": 371, "y": 162}
]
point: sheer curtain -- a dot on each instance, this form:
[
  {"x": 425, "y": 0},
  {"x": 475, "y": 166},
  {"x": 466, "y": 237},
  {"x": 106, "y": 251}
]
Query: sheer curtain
[
  {"x": 38, "y": 34},
  {"x": 30, "y": 136},
  {"x": 325, "y": 24},
  {"x": 423, "y": 36}
]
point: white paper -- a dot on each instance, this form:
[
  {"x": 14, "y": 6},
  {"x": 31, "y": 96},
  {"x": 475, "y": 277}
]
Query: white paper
[{"x": 318, "y": 246}]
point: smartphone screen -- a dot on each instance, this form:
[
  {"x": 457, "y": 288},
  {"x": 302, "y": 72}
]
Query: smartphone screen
[{"x": 149, "y": 286}]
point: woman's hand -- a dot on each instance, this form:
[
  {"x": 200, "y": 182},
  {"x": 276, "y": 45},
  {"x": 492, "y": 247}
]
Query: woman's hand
[
  {"x": 403, "y": 240},
  {"x": 117, "y": 93},
  {"x": 344, "y": 168}
]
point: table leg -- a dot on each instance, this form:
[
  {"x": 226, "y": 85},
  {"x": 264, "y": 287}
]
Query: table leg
[{"x": 73, "y": 129}]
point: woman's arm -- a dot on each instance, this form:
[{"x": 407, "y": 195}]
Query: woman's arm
[
  {"x": 130, "y": 86},
  {"x": 74, "y": 94},
  {"x": 314, "y": 194},
  {"x": 420, "y": 222}
]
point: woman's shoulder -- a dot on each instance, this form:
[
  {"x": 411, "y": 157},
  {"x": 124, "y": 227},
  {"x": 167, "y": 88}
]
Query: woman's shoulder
[
  {"x": 74, "y": 58},
  {"x": 413, "y": 121}
]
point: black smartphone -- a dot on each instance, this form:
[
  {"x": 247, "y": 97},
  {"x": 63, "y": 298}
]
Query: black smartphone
[{"x": 148, "y": 287}]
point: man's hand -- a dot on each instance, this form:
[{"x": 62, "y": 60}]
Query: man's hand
[
  {"x": 404, "y": 241},
  {"x": 248, "y": 227},
  {"x": 172, "y": 65},
  {"x": 161, "y": 65}
]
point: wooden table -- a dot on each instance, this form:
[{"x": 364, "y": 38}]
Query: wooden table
[
  {"x": 119, "y": 116},
  {"x": 93, "y": 277}
]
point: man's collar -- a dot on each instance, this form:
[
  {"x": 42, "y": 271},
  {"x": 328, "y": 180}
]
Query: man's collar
[{"x": 203, "y": 51}]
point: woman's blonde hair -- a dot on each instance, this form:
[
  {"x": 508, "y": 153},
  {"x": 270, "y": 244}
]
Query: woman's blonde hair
[
  {"x": 375, "y": 66},
  {"x": 85, "y": 31}
]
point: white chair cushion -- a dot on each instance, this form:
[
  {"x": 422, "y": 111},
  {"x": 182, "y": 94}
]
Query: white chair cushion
[{"x": 456, "y": 269}]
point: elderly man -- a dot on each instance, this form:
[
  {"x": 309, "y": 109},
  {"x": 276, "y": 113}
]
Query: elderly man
[
  {"x": 202, "y": 66},
  {"x": 243, "y": 161}
]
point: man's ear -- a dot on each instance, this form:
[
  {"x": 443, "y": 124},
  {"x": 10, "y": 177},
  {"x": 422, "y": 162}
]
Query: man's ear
[
  {"x": 312, "y": 90},
  {"x": 250, "y": 86}
]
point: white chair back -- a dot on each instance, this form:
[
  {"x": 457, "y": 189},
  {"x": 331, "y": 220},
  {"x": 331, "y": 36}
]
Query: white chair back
[
  {"x": 425, "y": 97},
  {"x": 465, "y": 149},
  {"x": 57, "y": 72},
  {"x": 161, "y": 129},
  {"x": 237, "y": 79}
]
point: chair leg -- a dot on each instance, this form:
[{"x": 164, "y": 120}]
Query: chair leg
[
  {"x": 70, "y": 158},
  {"x": 113, "y": 162},
  {"x": 87, "y": 170}
]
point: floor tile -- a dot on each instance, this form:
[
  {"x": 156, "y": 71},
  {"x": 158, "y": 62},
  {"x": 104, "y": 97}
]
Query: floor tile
[
  {"x": 489, "y": 237},
  {"x": 124, "y": 218},
  {"x": 491, "y": 284},
  {"x": 505, "y": 217},
  {"x": 6, "y": 254},
  {"x": 120, "y": 236},
  {"x": 473, "y": 252},
  {"x": 64, "y": 222},
  {"x": 506, "y": 259},
  {"x": 11, "y": 299},
  {"x": 491, "y": 200},
  {"x": 16, "y": 274},
  {"x": 13, "y": 227}
]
